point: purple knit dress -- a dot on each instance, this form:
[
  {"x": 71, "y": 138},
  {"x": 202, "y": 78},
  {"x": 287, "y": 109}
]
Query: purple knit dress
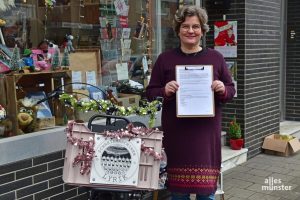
[{"x": 193, "y": 145}]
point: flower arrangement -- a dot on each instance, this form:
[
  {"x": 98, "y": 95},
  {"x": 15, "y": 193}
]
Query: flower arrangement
[
  {"x": 234, "y": 129},
  {"x": 105, "y": 106}
]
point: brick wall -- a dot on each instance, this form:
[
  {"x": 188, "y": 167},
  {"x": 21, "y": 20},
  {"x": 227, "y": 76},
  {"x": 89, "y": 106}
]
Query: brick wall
[
  {"x": 38, "y": 178},
  {"x": 258, "y": 60},
  {"x": 262, "y": 71},
  {"x": 292, "y": 62},
  {"x": 235, "y": 13}
]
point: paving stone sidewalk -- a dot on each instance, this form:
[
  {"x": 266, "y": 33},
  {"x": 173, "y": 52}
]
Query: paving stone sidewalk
[{"x": 264, "y": 177}]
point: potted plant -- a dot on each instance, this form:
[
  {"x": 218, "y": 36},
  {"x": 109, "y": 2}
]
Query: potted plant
[{"x": 235, "y": 135}]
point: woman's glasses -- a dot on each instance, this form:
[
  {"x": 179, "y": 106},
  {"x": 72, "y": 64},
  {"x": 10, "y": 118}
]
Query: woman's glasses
[{"x": 195, "y": 27}]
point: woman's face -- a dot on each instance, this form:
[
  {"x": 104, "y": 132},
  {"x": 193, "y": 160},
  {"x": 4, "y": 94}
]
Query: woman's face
[{"x": 190, "y": 32}]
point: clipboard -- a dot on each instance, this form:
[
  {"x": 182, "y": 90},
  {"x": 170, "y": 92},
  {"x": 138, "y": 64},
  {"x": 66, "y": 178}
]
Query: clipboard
[{"x": 195, "y": 97}]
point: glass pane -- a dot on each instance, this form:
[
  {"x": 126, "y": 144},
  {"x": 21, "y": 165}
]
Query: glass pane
[
  {"x": 130, "y": 34},
  {"x": 168, "y": 9}
]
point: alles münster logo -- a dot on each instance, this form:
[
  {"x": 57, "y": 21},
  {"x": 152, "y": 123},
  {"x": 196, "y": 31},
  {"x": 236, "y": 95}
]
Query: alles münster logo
[{"x": 273, "y": 184}]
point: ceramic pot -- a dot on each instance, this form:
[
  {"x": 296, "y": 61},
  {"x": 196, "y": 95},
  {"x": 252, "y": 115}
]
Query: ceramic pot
[{"x": 236, "y": 144}]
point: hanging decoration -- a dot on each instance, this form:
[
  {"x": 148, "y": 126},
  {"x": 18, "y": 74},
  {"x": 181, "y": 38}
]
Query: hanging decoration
[
  {"x": 105, "y": 106},
  {"x": 48, "y": 4},
  {"x": 148, "y": 51},
  {"x": 85, "y": 159}
]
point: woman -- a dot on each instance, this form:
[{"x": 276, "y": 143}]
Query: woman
[{"x": 193, "y": 145}]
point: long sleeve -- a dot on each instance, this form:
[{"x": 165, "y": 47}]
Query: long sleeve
[
  {"x": 225, "y": 77},
  {"x": 157, "y": 83}
]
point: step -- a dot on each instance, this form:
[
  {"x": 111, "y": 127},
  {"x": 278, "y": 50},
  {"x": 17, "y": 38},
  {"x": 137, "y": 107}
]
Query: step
[
  {"x": 223, "y": 138},
  {"x": 289, "y": 127},
  {"x": 232, "y": 158}
]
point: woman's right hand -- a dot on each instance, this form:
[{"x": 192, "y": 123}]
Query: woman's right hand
[{"x": 171, "y": 88}]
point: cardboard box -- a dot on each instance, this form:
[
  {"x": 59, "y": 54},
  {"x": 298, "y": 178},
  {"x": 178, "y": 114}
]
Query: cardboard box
[
  {"x": 127, "y": 100},
  {"x": 81, "y": 94},
  {"x": 275, "y": 145}
]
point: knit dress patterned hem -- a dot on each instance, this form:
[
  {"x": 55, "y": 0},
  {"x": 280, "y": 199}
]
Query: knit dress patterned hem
[{"x": 194, "y": 179}]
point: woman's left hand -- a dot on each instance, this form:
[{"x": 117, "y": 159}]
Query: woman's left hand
[{"x": 218, "y": 86}]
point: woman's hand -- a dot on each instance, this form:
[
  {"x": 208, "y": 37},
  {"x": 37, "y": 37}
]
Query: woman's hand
[
  {"x": 218, "y": 87},
  {"x": 170, "y": 88}
]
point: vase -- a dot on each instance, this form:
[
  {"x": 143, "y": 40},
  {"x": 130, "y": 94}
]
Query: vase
[{"x": 236, "y": 144}]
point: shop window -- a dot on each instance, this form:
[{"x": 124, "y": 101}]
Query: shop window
[{"x": 129, "y": 33}]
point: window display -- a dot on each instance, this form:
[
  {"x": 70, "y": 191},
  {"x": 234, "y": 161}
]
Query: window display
[{"x": 47, "y": 36}]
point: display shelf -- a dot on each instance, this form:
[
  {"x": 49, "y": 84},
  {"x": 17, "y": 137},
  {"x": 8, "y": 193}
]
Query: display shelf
[{"x": 16, "y": 86}]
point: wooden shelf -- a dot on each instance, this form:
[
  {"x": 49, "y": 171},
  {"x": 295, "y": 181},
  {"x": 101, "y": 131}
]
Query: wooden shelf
[{"x": 17, "y": 85}]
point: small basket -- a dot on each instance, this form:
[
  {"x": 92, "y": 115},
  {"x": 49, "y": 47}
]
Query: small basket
[{"x": 149, "y": 168}]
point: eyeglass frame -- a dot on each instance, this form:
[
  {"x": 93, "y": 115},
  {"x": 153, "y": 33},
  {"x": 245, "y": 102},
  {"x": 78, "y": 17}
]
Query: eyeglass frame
[{"x": 195, "y": 27}]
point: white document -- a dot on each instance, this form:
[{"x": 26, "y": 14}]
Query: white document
[
  {"x": 126, "y": 53},
  {"x": 195, "y": 97},
  {"x": 122, "y": 71},
  {"x": 135, "y": 84},
  {"x": 126, "y": 43},
  {"x": 91, "y": 78},
  {"x": 145, "y": 64},
  {"x": 76, "y": 77}
]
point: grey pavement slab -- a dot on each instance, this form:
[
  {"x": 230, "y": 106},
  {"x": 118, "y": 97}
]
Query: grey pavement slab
[
  {"x": 261, "y": 196},
  {"x": 264, "y": 177}
]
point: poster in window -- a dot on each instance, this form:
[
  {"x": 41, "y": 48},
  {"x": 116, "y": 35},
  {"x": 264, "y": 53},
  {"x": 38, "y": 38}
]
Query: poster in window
[
  {"x": 225, "y": 38},
  {"x": 121, "y": 7},
  {"x": 232, "y": 67},
  {"x": 108, "y": 33}
]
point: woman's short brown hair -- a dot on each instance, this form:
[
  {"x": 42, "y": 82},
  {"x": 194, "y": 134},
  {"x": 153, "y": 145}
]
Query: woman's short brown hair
[{"x": 189, "y": 11}]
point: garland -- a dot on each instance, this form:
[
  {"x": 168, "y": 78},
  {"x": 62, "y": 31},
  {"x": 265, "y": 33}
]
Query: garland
[
  {"x": 105, "y": 106},
  {"x": 132, "y": 132},
  {"x": 85, "y": 159}
]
